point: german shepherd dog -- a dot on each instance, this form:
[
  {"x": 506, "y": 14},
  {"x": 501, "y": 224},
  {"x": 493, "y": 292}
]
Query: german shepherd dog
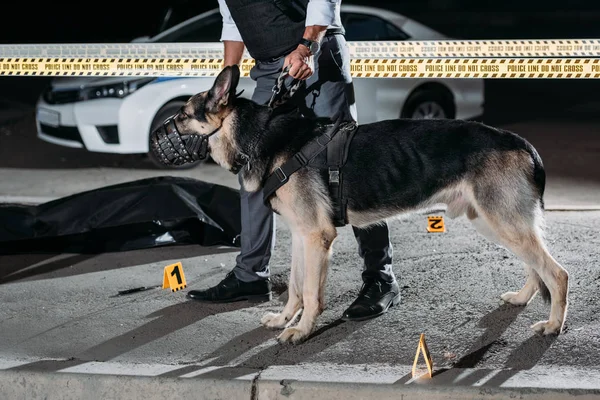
[{"x": 393, "y": 167}]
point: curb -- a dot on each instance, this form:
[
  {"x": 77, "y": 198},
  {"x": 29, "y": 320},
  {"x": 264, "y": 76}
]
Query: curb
[
  {"x": 77, "y": 386},
  {"x": 289, "y": 390},
  {"x": 573, "y": 208}
]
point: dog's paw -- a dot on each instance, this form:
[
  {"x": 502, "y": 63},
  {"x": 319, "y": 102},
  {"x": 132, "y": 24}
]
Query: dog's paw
[
  {"x": 513, "y": 298},
  {"x": 292, "y": 335},
  {"x": 547, "y": 328},
  {"x": 273, "y": 321}
]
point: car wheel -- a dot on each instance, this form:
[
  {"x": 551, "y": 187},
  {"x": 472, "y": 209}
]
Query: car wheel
[
  {"x": 428, "y": 104},
  {"x": 165, "y": 112}
]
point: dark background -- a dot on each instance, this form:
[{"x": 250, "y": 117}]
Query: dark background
[{"x": 120, "y": 21}]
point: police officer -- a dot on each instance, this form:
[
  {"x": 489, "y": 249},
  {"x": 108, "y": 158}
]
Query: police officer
[{"x": 308, "y": 36}]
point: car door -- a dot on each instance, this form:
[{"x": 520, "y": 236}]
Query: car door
[
  {"x": 376, "y": 98},
  {"x": 204, "y": 30}
]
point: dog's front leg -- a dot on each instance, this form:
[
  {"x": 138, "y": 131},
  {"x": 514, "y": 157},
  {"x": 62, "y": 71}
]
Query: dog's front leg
[
  {"x": 294, "y": 303},
  {"x": 317, "y": 245}
]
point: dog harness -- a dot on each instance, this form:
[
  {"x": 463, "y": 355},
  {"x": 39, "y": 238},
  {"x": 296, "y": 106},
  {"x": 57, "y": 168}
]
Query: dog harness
[{"x": 331, "y": 162}]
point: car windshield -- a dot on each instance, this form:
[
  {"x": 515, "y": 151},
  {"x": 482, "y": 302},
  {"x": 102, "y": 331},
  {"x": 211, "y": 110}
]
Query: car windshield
[
  {"x": 207, "y": 29},
  {"x": 359, "y": 26}
]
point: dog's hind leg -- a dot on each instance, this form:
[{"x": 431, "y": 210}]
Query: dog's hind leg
[
  {"x": 317, "y": 250},
  {"x": 533, "y": 283},
  {"x": 521, "y": 235},
  {"x": 529, "y": 247},
  {"x": 528, "y": 291},
  {"x": 295, "y": 283}
]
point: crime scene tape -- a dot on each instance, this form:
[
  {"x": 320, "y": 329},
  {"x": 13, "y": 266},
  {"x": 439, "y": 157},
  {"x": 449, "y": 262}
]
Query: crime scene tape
[
  {"x": 387, "y": 49},
  {"x": 476, "y": 48},
  {"x": 476, "y": 68},
  {"x": 360, "y": 68}
]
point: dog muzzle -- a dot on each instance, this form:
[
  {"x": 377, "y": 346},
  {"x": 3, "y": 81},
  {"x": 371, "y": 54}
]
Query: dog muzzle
[{"x": 172, "y": 148}]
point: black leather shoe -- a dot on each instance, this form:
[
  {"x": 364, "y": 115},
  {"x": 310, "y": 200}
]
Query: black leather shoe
[
  {"x": 374, "y": 299},
  {"x": 231, "y": 289}
]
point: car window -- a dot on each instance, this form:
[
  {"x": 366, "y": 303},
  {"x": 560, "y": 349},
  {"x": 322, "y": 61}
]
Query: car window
[
  {"x": 205, "y": 30},
  {"x": 368, "y": 27}
]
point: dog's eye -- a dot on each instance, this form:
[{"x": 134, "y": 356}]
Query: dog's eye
[{"x": 183, "y": 114}]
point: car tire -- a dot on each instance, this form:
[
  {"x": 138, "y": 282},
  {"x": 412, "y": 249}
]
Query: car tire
[
  {"x": 165, "y": 112},
  {"x": 427, "y": 104}
]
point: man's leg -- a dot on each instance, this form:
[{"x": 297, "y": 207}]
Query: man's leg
[
  {"x": 258, "y": 221},
  {"x": 257, "y": 237},
  {"x": 249, "y": 278},
  {"x": 329, "y": 91}
]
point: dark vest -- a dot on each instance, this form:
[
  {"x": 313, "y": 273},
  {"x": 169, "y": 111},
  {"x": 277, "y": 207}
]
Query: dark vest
[{"x": 267, "y": 31}]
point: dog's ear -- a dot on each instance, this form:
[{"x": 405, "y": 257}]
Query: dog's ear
[{"x": 223, "y": 90}]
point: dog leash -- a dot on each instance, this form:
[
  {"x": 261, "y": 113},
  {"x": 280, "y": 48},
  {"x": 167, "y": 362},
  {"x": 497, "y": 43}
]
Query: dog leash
[{"x": 281, "y": 96}]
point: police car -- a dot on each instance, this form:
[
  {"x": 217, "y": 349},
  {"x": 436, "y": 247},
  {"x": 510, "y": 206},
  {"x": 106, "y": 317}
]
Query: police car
[{"x": 117, "y": 114}]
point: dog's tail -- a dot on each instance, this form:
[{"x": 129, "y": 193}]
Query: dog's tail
[{"x": 539, "y": 172}]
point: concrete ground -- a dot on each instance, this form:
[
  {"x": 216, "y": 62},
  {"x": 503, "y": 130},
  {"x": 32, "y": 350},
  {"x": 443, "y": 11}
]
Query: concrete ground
[
  {"x": 66, "y": 333},
  {"x": 63, "y": 314}
]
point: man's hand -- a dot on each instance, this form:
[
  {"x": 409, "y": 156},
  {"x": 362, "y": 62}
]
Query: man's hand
[
  {"x": 300, "y": 60},
  {"x": 301, "y": 63}
]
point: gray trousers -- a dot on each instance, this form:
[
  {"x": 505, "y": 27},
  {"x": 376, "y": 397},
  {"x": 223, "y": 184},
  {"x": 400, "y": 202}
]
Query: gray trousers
[{"x": 328, "y": 91}]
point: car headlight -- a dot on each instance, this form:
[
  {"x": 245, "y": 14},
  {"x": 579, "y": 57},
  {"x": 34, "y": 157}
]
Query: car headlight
[{"x": 118, "y": 90}]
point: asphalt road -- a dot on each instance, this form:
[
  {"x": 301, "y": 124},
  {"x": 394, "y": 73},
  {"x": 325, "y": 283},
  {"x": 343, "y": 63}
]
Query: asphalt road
[{"x": 62, "y": 313}]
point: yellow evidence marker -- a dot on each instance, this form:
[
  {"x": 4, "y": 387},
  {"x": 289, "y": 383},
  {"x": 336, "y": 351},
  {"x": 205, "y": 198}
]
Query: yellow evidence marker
[
  {"x": 435, "y": 224},
  {"x": 173, "y": 277},
  {"x": 425, "y": 350}
]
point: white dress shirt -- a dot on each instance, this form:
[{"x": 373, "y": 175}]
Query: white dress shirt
[{"x": 318, "y": 12}]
